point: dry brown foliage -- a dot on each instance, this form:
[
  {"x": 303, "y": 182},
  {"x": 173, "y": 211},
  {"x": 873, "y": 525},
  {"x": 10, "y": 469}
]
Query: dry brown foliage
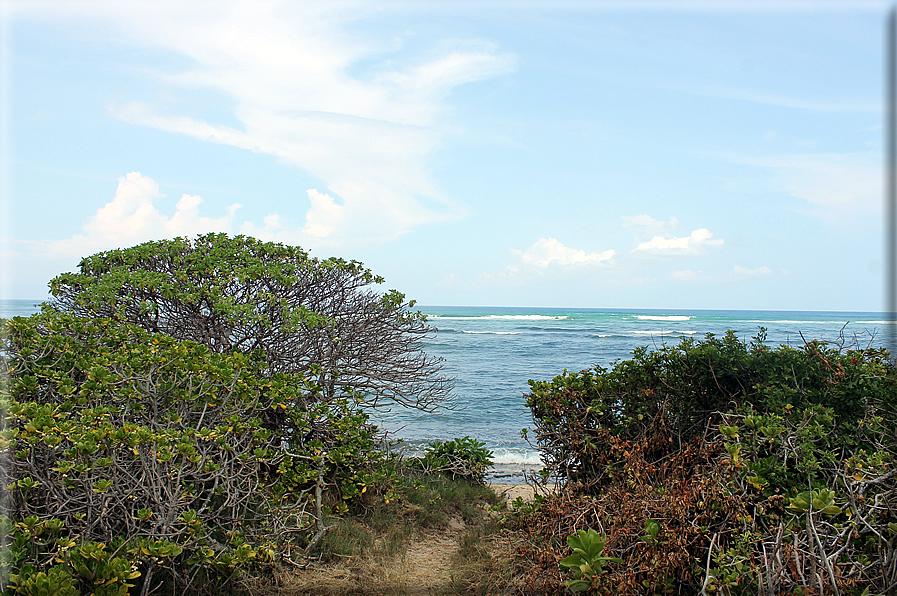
[{"x": 685, "y": 492}]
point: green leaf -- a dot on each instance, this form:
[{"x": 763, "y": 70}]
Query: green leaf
[{"x": 577, "y": 585}]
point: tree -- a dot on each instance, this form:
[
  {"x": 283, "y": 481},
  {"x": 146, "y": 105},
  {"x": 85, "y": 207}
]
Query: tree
[
  {"x": 298, "y": 314},
  {"x": 134, "y": 459}
]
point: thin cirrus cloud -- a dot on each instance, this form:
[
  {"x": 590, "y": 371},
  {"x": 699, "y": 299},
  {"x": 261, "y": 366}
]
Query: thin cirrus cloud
[
  {"x": 781, "y": 100},
  {"x": 290, "y": 71},
  {"x": 131, "y": 217},
  {"x": 646, "y": 221},
  {"x": 739, "y": 271},
  {"x": 549, "y": 251},
  {"x": 684, "y": 275},
  {"x": 834, "y": 186},
  {"x": 695, "y": 243}
]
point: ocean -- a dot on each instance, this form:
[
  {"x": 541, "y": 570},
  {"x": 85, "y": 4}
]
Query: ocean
[{"x": 493, "y": 351}]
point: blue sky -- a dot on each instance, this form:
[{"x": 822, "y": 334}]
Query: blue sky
[{"x": 584, "y": 154}]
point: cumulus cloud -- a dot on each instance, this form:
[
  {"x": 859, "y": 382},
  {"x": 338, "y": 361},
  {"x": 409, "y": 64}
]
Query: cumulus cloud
[
  {"x": 324, "y": 215},
  {"x": 271, "y": 230},
  {"x": 693, "y": 244},
  {"x": 131, "y": 217},
  {"x": 291, "y": 72},
  {"x": 549, "y": 251}
]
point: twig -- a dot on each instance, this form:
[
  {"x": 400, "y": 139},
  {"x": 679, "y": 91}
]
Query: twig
[
  {"x": 812, "y": 526},
  {"x": 703, "y": 591}
]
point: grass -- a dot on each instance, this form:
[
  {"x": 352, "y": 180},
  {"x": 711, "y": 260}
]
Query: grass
[
  {"x": 346, "y": 538},
  {"x": 366, "y": 552},
  {"x": 486, "y": 562},
  {"x": 434, "y": 498},
  {"x": 428, "y": 501}
]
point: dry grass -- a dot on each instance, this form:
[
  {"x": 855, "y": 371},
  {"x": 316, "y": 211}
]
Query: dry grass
[
  {"x": 441, "y": 539},
  {"x": 424, "y": 565}
]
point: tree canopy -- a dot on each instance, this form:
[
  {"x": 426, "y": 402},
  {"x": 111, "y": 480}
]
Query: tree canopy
[
  {"x": 297, "y": 313},
  {"x": 188, "y": 410}
]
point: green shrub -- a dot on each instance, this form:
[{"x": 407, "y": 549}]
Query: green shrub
[
  {"x": 689, "y": 388},
  {"x": 744, "y": 468},
  {"x": 193, "y": 408},
  {"x": 459, "y": 458},
  {"x": 191, "y": 466},
  {"x": 587, "y": 561}
]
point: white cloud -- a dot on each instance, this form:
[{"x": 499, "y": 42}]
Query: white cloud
[
  {"x": 438, "y": 76},
  {"x": 131, "y": 218},
  {"x": 693, "y": 244},
  {"x": 291, "y": 72},
  {"x": 130, "y": 213},
  {"x": 834, "y": 185},
  {"x": 324, "y": 216},
  {"x": 740, "y": 271},
  {"x": 780, "y": 100},
  {"x": 271, "y": 229},
  {"x": 684, "y": 275},
  {"x": 646, "y": 221},
  {"x": 548, "y": 251}
]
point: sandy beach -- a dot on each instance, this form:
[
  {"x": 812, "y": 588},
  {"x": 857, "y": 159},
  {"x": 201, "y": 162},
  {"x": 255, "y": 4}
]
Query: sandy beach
[{"x": 514, "y": 490}]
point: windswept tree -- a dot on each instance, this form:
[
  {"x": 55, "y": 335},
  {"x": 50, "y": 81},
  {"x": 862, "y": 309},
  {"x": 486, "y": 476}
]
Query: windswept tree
[{"x": 298, "y": 314}]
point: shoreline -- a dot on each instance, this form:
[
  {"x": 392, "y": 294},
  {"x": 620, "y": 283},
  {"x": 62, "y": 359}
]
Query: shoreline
[{"x": 515, "y": 473}]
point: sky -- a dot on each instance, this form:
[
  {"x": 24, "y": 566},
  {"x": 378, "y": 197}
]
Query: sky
[{"x": 593, "y": 154}]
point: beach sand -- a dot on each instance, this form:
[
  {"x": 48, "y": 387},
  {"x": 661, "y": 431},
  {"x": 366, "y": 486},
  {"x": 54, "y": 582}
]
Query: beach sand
[{"x": 514, "y": 490}]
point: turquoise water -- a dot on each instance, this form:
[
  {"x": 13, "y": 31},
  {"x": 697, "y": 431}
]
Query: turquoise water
[
  {"x": 18, "y": 308},
  {"x": 493, "y": 351}
]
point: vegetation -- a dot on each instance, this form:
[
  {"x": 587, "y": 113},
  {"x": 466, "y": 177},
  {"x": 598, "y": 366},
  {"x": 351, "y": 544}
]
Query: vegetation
[
  {"x": 396, "y": 547},
  {"x": 721, "y": 466},
  {"x": 167, "y": 463},
  {"x": 187, "y": 415},
  {"x": 459, "y": 458},
  {"x": 587, "y": 561},
  {"x": 292, "y": 312}
]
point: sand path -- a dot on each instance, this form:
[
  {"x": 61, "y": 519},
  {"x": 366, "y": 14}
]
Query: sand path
[
  {"x": 424, "y": 570},
  {"x": 427, "y": 564}
]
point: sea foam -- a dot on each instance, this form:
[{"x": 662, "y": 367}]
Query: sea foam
[
  {"x": 507, "y": 456},
  {"x": 492, "y": 332},
  {"x": 663, "y": 318}
]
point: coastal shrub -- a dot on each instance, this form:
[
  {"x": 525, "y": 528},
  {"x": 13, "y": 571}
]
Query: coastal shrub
[
  {"x": 295, "y": 313},
  {"x": 459, "y": 458},
  {"x": 725, "y": 466},
  {"x": 685, "y": 390},
  {"x": 135, "y": 459}
]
